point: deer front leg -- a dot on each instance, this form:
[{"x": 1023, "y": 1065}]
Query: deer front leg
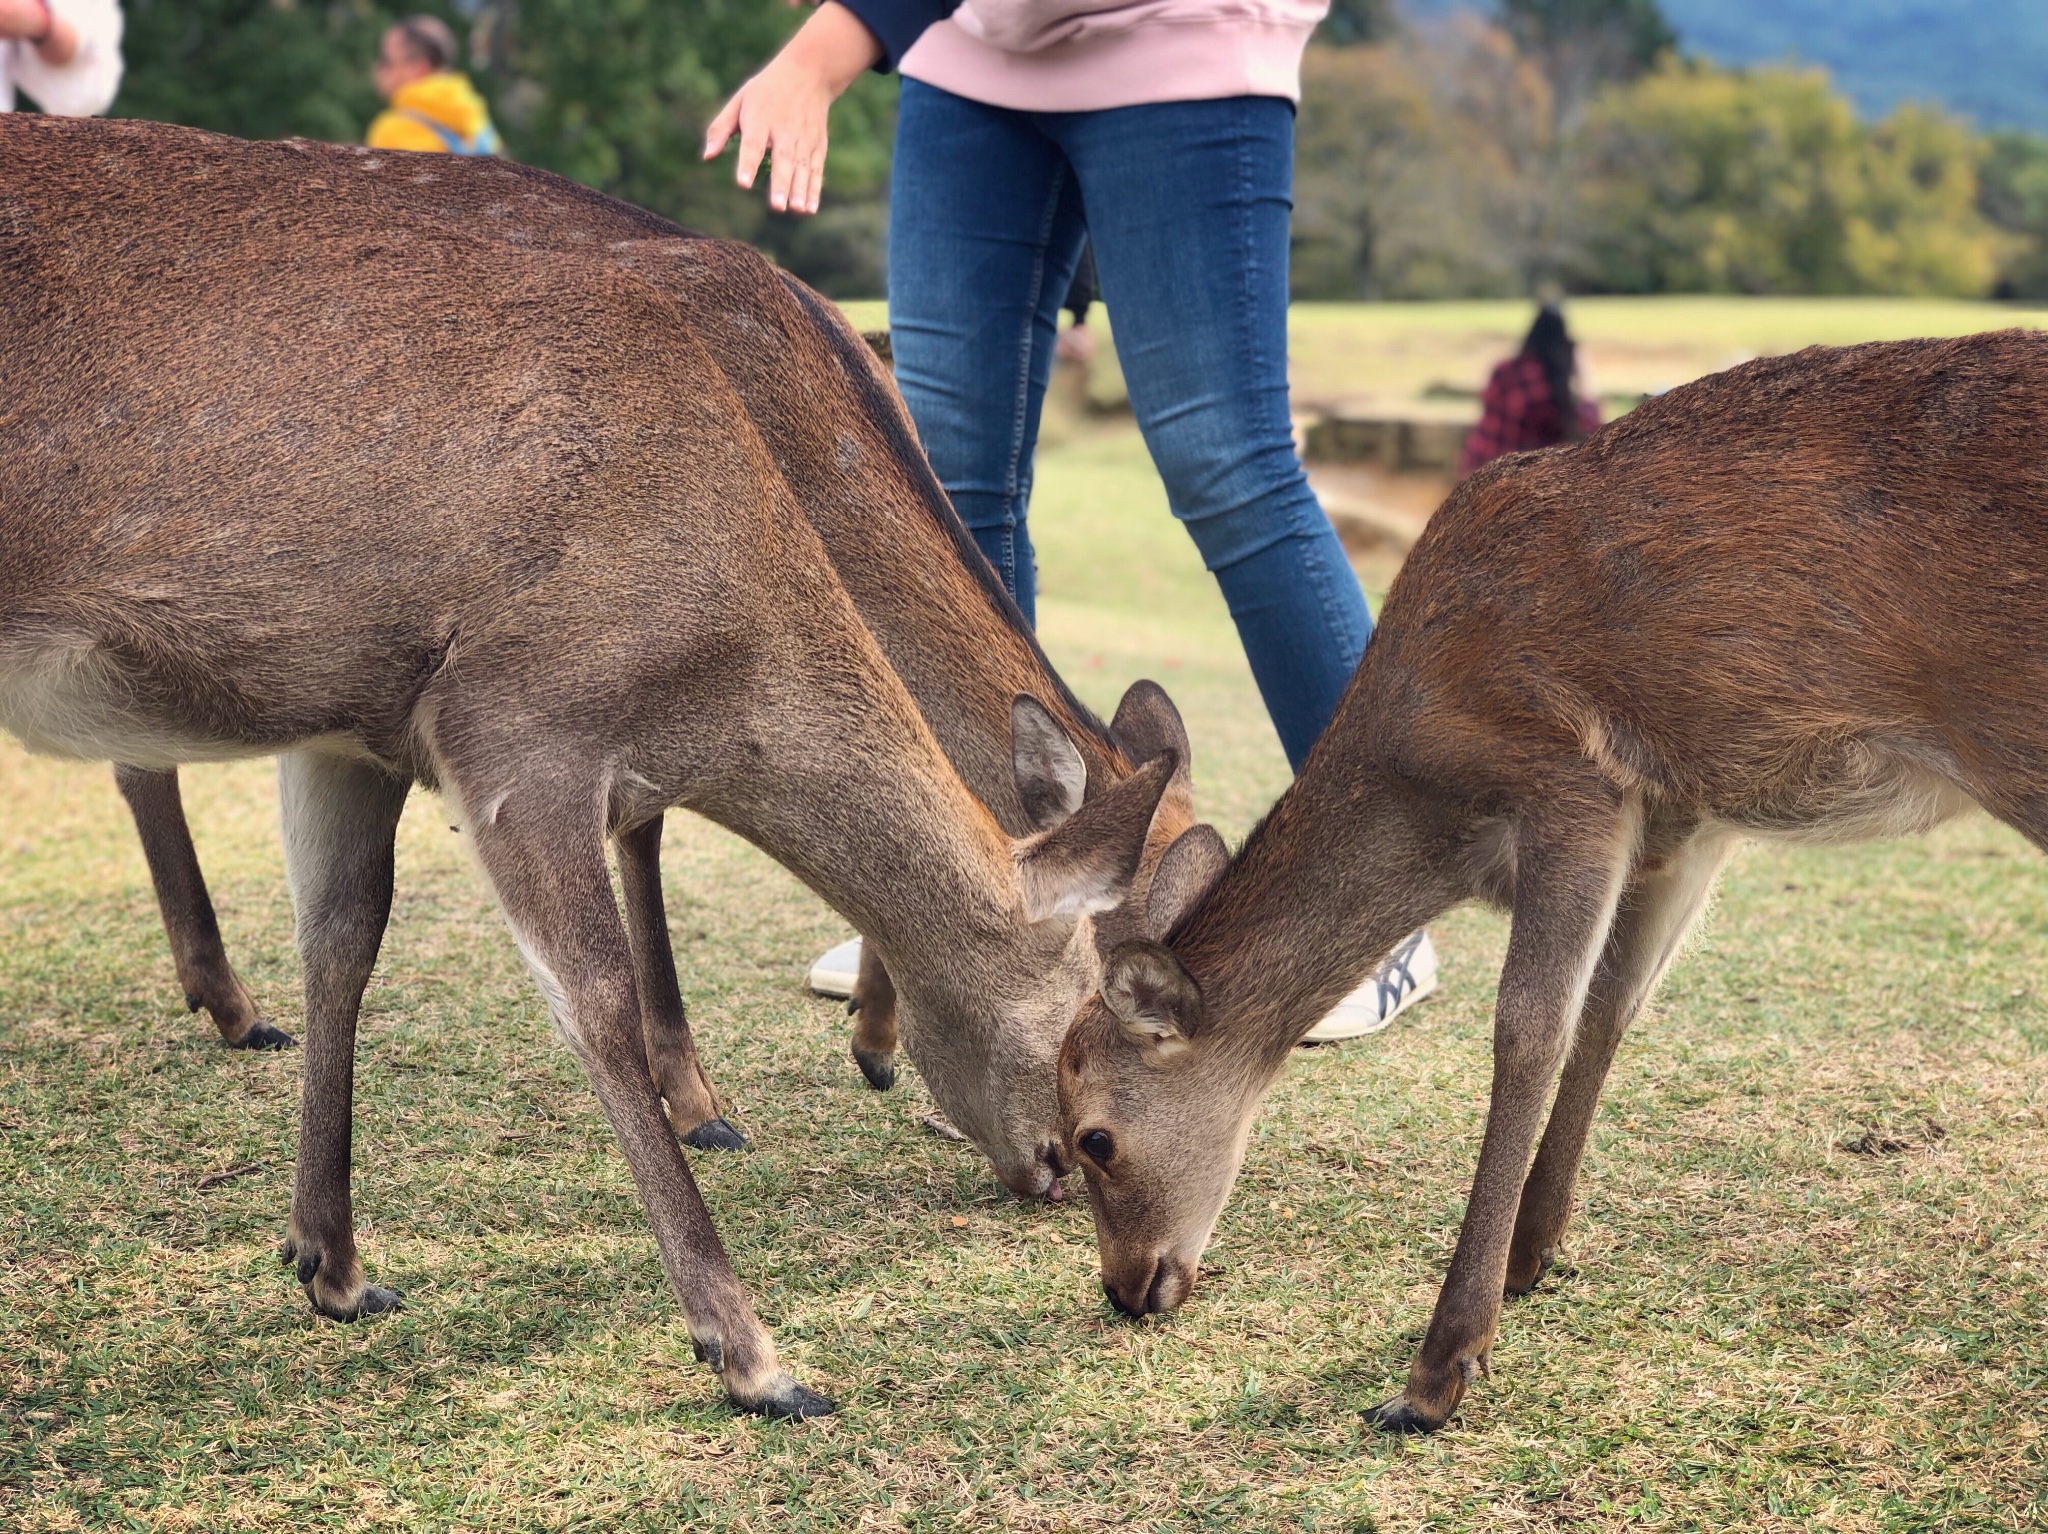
[
  {"x": 340, "y": 826},
  {"x": 874, "y": 1020},
  {"x": 208, "y": 979},
  {"x": 1565, "y": 892},
  {"x": 552, "y": 884},
  {"x": 1651, "y": 925},
  {"x": 679, "y": 1077}
]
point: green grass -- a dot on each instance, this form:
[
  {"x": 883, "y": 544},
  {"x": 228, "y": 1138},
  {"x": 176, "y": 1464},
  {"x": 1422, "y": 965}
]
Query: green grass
[
  {"x": 1627, "y": 345},
  {"x": 1390, "y": 353},
  {"x": 1761, "y": 1329}
]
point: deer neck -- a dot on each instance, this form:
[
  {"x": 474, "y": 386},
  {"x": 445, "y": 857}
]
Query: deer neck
[
  {"x": 922, "y": 588},
  {"x": 860, "y": 803},
  {"x": 1325, "y": 888}
]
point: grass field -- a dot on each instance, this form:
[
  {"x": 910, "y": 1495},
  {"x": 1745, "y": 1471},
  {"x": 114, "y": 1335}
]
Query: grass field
[{"x": 1761, "y": 1328}]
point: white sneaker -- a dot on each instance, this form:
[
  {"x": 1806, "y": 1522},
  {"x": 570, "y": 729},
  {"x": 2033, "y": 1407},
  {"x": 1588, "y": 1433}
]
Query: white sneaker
[
  {"x": 1408, "y": 975},
  {"x": 834, "y": 974}
]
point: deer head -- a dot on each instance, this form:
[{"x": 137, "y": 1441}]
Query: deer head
[
  {"x": 1153, "y": 1109},
  {"x": 986, "y": 1037}
]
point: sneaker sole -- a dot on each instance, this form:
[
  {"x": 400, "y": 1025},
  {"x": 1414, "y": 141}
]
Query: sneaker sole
[
  {"x": 828, "y": 978},
  {"x": 1338, "y": 1026}
]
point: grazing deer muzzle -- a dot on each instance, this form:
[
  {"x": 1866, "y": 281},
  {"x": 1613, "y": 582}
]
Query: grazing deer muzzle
[
  {"x": 291, "y": 473},
  {"x": 1801, "y": 599}
]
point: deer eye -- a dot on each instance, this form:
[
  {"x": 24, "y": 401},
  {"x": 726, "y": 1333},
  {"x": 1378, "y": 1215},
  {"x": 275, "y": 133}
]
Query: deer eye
[{"x": 1098, "y": 1146}]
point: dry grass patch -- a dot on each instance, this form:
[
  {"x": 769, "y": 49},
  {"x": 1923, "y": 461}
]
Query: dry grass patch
[{"x": 1761, "y": 1328}]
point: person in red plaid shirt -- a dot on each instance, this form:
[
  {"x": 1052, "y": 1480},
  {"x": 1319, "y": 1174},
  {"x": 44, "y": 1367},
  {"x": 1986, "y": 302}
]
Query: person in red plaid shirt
[{"x": 1530, "y": 401}]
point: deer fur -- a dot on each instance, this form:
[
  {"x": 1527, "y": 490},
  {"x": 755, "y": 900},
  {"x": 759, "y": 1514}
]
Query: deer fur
[
  {"x": 944, "y": 622},
  {"x": 289, "y": 474},
  {"x": 1801, "y": 599}
]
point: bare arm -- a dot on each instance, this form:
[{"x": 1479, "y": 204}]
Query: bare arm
[{"x": 782, "y": 111}]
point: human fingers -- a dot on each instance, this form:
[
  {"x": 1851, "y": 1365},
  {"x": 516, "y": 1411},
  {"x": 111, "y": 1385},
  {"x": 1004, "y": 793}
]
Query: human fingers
[
  {"x": 786, "y": 182},
  {"x": 815, "y": 186},
  {"x": 756, "y": 134},
  {"x": 719, "y": 133}
]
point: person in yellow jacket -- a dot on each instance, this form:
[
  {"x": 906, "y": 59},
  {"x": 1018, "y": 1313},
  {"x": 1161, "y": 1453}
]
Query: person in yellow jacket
[{"x": 432, "y": 107}]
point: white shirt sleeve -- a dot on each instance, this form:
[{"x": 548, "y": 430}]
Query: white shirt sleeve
[{"x": 86, "y": 86}]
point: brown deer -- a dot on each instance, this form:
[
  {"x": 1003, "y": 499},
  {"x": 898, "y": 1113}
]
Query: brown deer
[
  {"x": 944, "y": 622},
  {"x": 1801, "y": 599},
  {"x": 290, "y": 474},
  {"x": 947, "y": 626}
]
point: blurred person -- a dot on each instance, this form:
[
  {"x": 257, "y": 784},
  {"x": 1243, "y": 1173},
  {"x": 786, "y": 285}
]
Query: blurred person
[
  {"x": 64, "y": 55},
  {"x": 1163, "y": 135},
  {"x": 432, "y": 107},
  {"x": 1532, "y": 400}
]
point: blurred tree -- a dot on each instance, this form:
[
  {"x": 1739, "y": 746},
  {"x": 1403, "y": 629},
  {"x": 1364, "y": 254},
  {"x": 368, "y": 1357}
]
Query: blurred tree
[
  {"x": 1365, "y": 122},
  {"x": 612, "y": 93},
  {"x": 1625, "y": 37},
  {"x": 253, "y": 68},
  {"x": 1352, "y": 22},
  {"x": 1426, "y": 168},
  {"x": 2012, "y": 192},
  {"x": 1704, "y": 180}
]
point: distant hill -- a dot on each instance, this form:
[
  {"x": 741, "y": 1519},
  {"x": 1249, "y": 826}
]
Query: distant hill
[{"x": 1984, "y": 59}]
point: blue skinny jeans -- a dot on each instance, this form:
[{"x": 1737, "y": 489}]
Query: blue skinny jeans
[{"x": 1187, "y": 204}]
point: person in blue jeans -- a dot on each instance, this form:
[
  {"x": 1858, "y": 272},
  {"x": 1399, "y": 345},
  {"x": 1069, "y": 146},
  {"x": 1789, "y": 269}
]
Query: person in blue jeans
[{"x": 1026, "y": 128}]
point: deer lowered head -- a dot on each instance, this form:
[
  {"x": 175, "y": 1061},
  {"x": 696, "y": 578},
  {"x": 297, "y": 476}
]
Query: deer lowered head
[{"x": 985, "y": 1021}]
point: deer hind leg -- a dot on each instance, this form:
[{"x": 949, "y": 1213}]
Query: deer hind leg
[
  {"x": 1568, "y": 880},
  {"x": 203, "y": 968},
  {"x": 679, "y": 1076},
  {"x": 542, "y": 845},
  {"x": 340, "y": 824},
  {"x": 874, "y": 1020},
  {"x": 1656, "y": 915}
]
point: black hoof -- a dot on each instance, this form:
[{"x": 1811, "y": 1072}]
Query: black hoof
[
  {"x": 375, "y": 1302},
  {"x": 1397, "y": 1416},
  {"x": 264, "y": 1036},
  {"x": 1546, "y": 1261},
  {"x": 791, "y": 1400},
  {"x": 715, "y": 1135},
  {"x": 880, "y": 1070}
]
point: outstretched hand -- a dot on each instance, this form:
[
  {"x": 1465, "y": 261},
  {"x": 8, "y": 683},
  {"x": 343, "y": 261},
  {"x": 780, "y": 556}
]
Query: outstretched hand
[
  {"x": 33, "y": 22},
  {"x": 781, "y": 113}
]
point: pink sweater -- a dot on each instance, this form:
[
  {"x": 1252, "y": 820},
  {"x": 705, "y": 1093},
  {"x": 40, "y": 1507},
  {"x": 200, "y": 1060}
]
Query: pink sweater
[{"x": 1086, "y": 55}]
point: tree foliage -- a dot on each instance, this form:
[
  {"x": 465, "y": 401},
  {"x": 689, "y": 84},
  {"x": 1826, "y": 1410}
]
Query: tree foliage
[
  {"x": 1469, "y": 177},
  {"x": 1627, "y": 36},
  {"x": 613, "y": 93},
  {"x": 2013, "y": 192},
  {"x": 1705, "y": 180},
  {"x": 1564, "y": 144}
]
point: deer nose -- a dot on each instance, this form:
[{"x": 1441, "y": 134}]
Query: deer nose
[
  {"x": 1038, "y": 1178},
  {"x": 1153, "y": 1293}
]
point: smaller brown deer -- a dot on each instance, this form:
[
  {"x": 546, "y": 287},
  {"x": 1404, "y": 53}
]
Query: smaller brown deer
[{"x": 1803, "y": 599}]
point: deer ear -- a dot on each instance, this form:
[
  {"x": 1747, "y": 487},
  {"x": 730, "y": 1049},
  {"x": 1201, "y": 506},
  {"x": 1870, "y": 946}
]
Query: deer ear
[
  {"x": 1153, "y": 999},
  {"x": 1148, "y": 725},
  {"x": 1051, "y": 777},
  {"x": 1087, "y": 864},
  {"x": 1185, "y": 873}
]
